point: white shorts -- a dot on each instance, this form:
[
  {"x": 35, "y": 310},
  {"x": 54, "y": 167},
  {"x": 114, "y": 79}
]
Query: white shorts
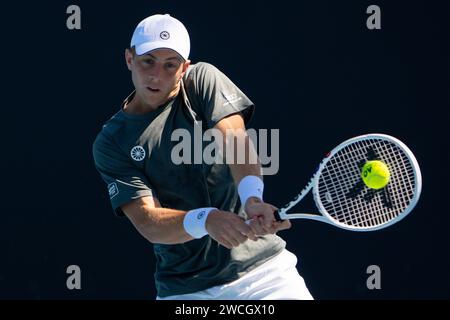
[{"x": 276, "y": 279}]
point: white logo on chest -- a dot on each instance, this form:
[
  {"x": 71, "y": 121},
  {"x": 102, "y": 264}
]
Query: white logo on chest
[{"x": 137, "y": 153}]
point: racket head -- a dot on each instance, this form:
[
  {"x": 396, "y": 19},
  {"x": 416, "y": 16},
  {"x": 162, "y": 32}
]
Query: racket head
[{"x": 346, "y": 202}]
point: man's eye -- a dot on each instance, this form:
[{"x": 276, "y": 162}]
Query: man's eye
[
  {"x": 171, "y": 66},
  {"x": 149, "y": 61}
]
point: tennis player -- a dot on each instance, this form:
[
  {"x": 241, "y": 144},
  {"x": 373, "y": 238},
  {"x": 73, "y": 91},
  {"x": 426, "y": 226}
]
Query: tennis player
[{"x": 193, "y": 213}]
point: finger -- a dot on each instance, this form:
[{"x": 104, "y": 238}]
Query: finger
[
  {"x": 232, "y": 242},
  {"x": 238, "y": 237},
  {"x": 252, "y": 235},
  {"x": 266, "y": 230},
  {"x": 272, "y": 229},
  {"x": 246, "y": 230},
  {"x": 226, "y": 230},
  {"x": 285, "y": 224},
  {"x": 269, "y": 218},
  {"x": 256, "y": 226},
  {"x": 242, "y": 227},
  {"x": 234, "y": 236},
  {"x": 226, "y": 244}
]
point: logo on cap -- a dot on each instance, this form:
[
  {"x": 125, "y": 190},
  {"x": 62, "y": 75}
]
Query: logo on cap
[
  {"x": 164, "y": 35},
  {"x": 137, "y": 153}
]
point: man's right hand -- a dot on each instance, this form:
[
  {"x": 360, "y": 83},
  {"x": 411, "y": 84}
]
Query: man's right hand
[{"x": 228, "y": 229}]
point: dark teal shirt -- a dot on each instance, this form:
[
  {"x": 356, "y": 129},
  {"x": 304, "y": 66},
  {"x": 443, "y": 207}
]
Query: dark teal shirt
[{"x": 133, "y": 156}]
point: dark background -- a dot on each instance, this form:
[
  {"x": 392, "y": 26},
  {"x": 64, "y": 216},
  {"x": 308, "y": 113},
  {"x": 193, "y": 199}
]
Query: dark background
[{"x": 313, "y": 70}]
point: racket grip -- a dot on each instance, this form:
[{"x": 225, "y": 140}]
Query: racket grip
[{"x": 277, "y": 216}]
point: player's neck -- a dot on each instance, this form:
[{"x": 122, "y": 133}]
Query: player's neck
[{"x": 138, "y": 107}]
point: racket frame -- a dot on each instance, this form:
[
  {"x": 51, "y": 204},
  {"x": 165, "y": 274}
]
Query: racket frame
[{"x": 313, "y": 184}]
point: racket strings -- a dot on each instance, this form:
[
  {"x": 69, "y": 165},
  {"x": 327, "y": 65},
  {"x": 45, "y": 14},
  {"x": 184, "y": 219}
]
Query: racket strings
[
  {"x": 370, "y": 216},
  {"x": 368, "y": 207},
  {"x": 376, "y": 218}
]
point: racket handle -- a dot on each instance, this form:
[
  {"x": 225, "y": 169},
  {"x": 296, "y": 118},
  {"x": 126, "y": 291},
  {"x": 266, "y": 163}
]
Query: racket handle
[{"x": 276, "y": 214}]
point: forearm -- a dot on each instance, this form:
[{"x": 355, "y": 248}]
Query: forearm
[
  {"x": 159, "y": 225},
  {"x": 238, "y": 150},
  {"x": 239, "y": 171},
  {"x": 240, "y": 154}
]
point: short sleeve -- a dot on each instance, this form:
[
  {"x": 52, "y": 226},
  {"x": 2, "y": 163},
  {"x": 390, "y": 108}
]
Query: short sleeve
[
  {"x": 124, "y": 181},
  {"x": 214, "y": 95}
]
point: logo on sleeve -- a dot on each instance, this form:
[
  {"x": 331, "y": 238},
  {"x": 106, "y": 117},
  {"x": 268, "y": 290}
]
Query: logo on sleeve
[
  {"x": 137, "y": 153},
  {"x": 113, "y": 190},
  {"x": 231, "y": 98}
]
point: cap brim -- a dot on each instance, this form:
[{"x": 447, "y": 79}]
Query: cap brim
[{"x": 150, "y": 46}]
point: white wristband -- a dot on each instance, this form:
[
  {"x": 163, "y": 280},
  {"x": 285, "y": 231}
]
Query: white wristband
[
  {"x": 250, "y": 186},
  {"x": 194, "y": 222}
]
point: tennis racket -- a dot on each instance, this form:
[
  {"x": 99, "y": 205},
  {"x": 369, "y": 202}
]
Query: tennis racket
[{"x": 342, "y": 197}]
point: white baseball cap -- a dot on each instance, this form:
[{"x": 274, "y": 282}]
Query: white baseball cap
[{"x": 161, "y": 31}]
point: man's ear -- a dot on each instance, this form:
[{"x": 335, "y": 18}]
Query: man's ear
[
  {"x": 129, "y": 58},
  {"x": 185, "y": 67}
]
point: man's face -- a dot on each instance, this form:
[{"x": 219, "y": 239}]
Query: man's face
[{"x": 156, "y": 75}]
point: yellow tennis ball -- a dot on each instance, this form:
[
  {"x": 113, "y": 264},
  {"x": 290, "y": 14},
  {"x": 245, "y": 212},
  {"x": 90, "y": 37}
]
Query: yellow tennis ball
[{"x": 375, "y": 174}]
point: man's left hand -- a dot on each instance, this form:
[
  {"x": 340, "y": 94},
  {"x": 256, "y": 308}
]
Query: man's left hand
[{"x": 262, "y": 217}]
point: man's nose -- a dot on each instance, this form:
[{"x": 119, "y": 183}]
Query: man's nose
[{"x": 154, "y": 73}]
